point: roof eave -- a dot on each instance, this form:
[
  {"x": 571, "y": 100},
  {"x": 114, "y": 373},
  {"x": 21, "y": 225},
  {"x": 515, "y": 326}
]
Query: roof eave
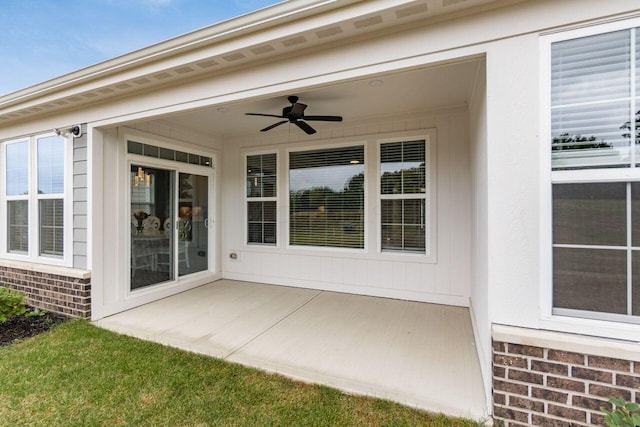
[{"x": 264, "y": 18}]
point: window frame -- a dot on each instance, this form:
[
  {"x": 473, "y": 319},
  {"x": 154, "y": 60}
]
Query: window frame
[
  {"x": 590, "y": 323},
  {"x": 429, "y": 138},
  {"x": 404, "y": 196},
  {"x": 247, "y": 199},
  {"x": 356, "y": 142},
  {"x": 33, "y": 198}
]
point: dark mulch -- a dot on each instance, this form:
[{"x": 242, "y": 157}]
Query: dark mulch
[{"x": 21, "y": 327}]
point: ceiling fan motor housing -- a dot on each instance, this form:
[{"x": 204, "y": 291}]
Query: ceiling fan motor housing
[{"x": 294, "y": 113}]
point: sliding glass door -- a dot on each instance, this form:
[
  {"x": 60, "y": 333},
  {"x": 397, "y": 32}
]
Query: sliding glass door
[
  {"x": 169, "y": 225},
  {"x": 193, "y": 222}
]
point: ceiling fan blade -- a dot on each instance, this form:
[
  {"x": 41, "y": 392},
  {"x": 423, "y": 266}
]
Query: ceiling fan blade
[
  {"x": 297, "y": 109},
  {"x": 305, "y": 127},
  {"x": 265, "y": 115},
  {"x": 324, "y": 118},
  {"x": 273, "y": 125}
]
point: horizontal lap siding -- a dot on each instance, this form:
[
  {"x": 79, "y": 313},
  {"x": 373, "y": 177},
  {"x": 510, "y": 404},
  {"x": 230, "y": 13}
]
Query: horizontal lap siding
[
  {"x": 80, "y": 197},
  {"x": 544, "y": 386}
]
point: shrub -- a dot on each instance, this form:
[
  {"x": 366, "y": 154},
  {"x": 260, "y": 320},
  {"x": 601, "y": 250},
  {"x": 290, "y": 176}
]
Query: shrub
[
  {"x": 624, "y": 414},
  {"x": 11, "y": 304}
]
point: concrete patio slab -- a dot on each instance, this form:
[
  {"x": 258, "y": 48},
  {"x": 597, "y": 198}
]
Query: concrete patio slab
[{"x": 418, "y": 354}]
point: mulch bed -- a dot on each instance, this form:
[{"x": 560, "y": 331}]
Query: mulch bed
[{"x": 21, "y": 327}]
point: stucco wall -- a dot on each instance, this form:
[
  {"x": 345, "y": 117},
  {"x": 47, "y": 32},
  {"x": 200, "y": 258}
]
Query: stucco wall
[{"x": 513, "y": 148}]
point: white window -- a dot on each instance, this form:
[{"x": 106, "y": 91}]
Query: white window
[
  {"x": 403, "y": 196},
  {"x": 17, "y": 196},
  {"x": 261, "y": 199},
  {"x": 594, "y": 135},
  {"x": 326, "y": 197},
  {"x": 34, "y": 199}
]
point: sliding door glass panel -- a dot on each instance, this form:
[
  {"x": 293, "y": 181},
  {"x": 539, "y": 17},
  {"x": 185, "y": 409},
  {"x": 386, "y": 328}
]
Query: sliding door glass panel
[
  {"x": 193, "y": 223},
  {"x": 152, "y": 219}
]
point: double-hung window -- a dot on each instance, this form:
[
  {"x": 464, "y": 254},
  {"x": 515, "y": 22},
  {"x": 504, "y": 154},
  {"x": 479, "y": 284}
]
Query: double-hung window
[
  {"x": 34, "y": 198},
  {"x": 403, "y": 202},
  {"x": 595, "y": 158},
  {"x": 261, "y": 195}
]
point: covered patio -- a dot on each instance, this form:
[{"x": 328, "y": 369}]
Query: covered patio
[{"x": 415, "y": 353}]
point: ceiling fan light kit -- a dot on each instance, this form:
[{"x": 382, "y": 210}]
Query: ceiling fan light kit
[{"x": 294, "y": 113}]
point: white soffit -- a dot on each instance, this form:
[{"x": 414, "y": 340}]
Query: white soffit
[{"x": 283, "y": 29}]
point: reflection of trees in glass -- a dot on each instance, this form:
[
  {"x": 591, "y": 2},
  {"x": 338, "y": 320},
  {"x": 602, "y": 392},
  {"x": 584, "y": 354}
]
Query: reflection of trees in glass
[
  {"x": 627, "y": 128},
  {"x": 565, "y": 141},
  {"x": 322, "y": 216},
  {"x": 404, "y": 181}
]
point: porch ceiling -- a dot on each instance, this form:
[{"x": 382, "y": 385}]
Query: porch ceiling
[{"x": 445, "y": 86}]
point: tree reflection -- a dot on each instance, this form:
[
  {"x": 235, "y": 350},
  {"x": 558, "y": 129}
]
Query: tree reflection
[{"x": 567, "y": 141}]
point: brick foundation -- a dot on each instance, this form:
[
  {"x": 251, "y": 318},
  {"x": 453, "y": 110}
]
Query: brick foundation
[
  {"x": 69, "y": 295},
  {"x": 549, "y": 387}
]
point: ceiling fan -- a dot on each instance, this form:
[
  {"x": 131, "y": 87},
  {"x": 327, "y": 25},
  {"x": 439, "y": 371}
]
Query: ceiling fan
[{"x": 295, "y": 114}]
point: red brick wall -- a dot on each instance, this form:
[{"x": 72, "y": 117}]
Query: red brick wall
[
  {"x": 54, "y": 293},
  {"x": 548, "y": 387}
]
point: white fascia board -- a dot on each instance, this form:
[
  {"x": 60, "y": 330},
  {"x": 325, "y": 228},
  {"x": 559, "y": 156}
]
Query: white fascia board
[{"x": 277, "y": 21}]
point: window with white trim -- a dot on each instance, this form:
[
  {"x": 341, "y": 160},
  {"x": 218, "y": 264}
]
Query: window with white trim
[
  {"x": 594, "y": 123},
  {"x": 17, "y": 196},
  {"x": 403, "y": 196},
  {"x": 261, "y": 199},
  {"x": 34, "y": 197},
  {"x": 326, "y": 197}
]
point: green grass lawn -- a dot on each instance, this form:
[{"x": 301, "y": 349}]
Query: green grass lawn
[{"x": 80, "y": 375}]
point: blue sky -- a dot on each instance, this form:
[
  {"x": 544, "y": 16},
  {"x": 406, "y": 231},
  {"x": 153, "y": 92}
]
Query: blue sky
[{"x": 43, "y": 39}]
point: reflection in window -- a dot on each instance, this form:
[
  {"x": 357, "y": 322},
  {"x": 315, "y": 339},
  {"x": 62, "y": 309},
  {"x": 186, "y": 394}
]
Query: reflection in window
[
  {"x": 326, "y": 197},
  {"x": 35, "y": 186},
  {"x": 17, "y": 168},
  {"x": 51, "y": 165},
  {"x": 591, "y": 124},
  {"x": 403, "y": 196}
]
